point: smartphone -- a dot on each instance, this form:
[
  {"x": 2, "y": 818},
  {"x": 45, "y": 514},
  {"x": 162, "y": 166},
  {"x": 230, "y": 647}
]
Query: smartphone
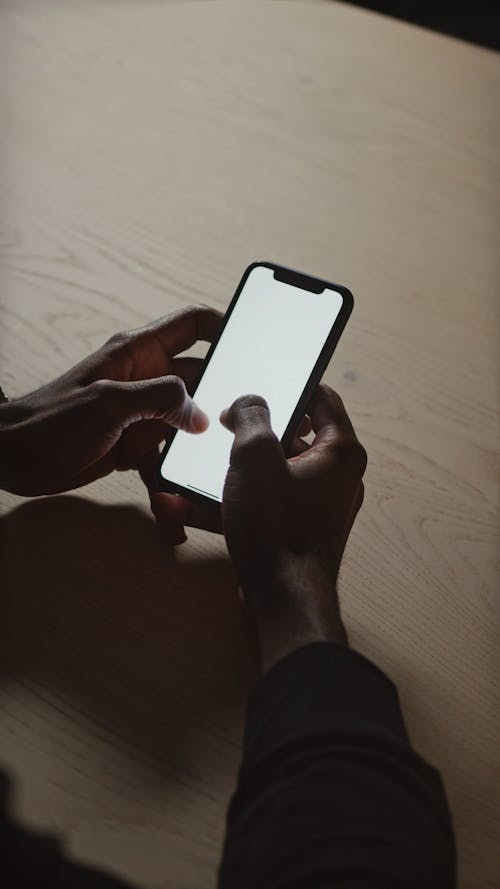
[{"x": 277, "y": 337}]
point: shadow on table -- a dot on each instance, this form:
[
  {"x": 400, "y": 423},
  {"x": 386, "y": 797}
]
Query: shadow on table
[
  {"x": 148, "y": 642},
  {"x": 138, "y": 636},
  {"x": 31, "y": 860}
]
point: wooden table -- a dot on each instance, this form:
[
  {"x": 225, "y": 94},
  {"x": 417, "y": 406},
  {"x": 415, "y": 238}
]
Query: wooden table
[{"x": 149, "y": 151}]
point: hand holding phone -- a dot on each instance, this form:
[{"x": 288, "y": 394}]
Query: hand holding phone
[
  {"x": 108, "y": 412},
  {"x": 191, "y": 508},
  {"x": 277, "y": 337},
  {"x": 286, "y": 522}
]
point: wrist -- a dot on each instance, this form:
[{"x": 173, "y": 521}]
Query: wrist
[
  {"x": 283, "y": 632},
  {"x": 297, "y": 606}
]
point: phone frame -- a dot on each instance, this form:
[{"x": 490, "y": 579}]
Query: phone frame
[{"x": 296, "y": 279}]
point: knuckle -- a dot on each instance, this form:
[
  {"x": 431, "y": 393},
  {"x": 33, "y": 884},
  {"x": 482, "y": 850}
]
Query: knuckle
[
  {"x": 119, "y": 340},
  {"x": 327, "y": 390},
  {"x": 175, "y": 389},
  {"x": 255, "y": 448},
  {"x": 352, "y": 454},
  {"x": 100, "y": 387},
  {"x": 191, "y": 311},
  {"x": 362, "y": 457},
  {"x": 103, "y": 391}
]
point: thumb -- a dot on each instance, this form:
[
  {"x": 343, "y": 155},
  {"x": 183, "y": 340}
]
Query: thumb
[
  {"x": 255, "y": 447},
  {"x": 162, "y": 398}
]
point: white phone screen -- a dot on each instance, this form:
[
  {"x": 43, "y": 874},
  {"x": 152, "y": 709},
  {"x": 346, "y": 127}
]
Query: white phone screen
[{"x": 268, "y": 347}]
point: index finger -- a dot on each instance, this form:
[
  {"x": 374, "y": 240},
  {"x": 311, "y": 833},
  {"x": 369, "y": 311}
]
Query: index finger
[{"x": 182, "y": 329}]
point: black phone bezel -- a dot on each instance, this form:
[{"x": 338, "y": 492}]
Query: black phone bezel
[{"x": 305, "y": 282}]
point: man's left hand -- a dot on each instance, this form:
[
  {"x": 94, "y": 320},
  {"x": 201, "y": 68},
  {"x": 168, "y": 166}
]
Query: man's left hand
[{"x": 110, "y": 411}]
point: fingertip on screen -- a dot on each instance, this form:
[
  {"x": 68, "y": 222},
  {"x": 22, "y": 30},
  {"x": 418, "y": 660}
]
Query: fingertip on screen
[
  {"x": 224, "y": 417},
  {"x": 199, "y": 421}
]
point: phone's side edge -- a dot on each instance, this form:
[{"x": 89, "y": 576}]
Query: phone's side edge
[{"x": 323, "y": 359}]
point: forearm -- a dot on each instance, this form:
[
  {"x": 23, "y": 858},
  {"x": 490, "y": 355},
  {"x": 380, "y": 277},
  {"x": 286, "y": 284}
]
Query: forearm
[{"x": 330, "y": 792}]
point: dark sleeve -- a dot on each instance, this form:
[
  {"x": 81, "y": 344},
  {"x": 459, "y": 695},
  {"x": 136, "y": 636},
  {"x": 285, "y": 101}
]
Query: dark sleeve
[{"x": 330, "y": 792}]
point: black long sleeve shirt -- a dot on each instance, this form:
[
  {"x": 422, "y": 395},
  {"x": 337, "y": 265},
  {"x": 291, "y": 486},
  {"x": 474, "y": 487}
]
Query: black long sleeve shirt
[{"x": 330, "y": 792}]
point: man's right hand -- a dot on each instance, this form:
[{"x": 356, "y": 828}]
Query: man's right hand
[
  {"x": 280, "y": 517},
  {"x": 286, "y": 522}
]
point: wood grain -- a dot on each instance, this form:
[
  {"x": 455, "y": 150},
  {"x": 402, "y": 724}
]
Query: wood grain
[{"x": 148, "y": 153}]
